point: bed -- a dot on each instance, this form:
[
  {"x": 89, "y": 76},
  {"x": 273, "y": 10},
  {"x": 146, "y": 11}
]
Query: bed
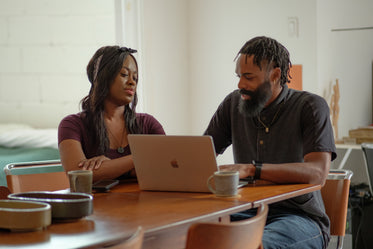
[{"x": 23, "y": 143}]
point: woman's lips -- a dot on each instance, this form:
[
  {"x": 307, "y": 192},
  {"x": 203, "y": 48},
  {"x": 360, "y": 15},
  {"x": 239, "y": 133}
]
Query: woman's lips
[{"x": 130, "y": 91}]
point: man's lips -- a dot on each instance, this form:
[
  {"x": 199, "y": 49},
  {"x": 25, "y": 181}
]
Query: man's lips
[{"x": 245, "y": 94}]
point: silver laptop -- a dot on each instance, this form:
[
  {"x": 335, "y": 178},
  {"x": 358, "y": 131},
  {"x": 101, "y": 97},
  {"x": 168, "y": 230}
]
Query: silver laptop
[{"x": 173, "y": 163}]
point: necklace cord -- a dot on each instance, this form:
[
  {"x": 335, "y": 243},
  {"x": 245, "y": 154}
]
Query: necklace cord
[
  {"x": 120, "y": 149},
  {"x": 267, "y": 127}
]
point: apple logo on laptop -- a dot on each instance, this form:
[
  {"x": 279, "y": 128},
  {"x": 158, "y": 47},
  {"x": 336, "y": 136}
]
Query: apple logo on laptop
[{"x": 174, "y": 163}]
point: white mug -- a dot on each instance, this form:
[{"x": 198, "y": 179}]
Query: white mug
[
  {"x": 80, "y": 181},
  {"x": 226, "y": 183}
]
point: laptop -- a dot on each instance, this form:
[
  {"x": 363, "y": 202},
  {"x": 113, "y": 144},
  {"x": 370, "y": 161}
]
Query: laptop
[{"x": 173, "y": 163}]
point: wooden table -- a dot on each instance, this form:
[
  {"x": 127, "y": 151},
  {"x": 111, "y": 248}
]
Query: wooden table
[{"x": 165, "y": 216}]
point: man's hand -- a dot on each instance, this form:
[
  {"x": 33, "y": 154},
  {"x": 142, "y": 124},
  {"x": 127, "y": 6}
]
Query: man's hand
[{"x": 244, "y": 170}]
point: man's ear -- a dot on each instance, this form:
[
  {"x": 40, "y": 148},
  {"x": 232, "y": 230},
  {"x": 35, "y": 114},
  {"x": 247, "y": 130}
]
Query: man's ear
[{"x": 275, "y": 74}]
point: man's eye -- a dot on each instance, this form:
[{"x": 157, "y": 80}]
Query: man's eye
[{"x": 124, "y": 74}]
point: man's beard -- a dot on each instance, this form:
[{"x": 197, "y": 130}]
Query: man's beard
[{"x": 258, "y": 99}]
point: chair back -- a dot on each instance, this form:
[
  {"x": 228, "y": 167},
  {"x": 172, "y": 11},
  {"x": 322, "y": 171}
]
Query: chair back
[
  {"x": 4, "y": 192},
  {"x": 36, "y": 176},
  {"x": 134, "y": 242},
  {"x": 368, "y": 158},
  {"x": 335, "y": 195},
  {"x": 245, "y": 234}
]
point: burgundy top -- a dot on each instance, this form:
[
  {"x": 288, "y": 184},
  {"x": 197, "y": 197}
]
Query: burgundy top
[{"x": 72, "y": 127}]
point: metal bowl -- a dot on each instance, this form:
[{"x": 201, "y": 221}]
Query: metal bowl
[
  {"x": 67, "y": 206},
  {"x": 24, "y": 215}
]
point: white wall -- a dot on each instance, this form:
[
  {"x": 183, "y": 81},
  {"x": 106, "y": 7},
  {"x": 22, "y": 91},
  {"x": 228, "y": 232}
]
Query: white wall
[
  {"x": 45, "y": 46},
  {"x": 166, "y": 60},
  {"x": 348, "y": 56}
]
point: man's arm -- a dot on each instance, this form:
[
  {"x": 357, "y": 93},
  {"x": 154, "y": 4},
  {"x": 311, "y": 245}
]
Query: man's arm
[{"x": 314, "y": 170}]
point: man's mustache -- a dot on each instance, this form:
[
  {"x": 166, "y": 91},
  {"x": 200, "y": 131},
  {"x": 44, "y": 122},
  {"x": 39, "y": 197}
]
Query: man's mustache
[{"x": 246, "y": 92}]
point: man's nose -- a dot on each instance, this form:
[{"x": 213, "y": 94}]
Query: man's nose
[{"x": 241, "y": 84}]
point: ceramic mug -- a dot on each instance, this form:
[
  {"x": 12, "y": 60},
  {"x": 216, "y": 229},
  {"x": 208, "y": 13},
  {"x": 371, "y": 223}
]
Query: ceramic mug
[
  {"x": 225, "y": 182},
  {"x": 80, "y": 181}
]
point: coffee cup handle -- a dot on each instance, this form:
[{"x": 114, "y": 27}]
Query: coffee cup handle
[
  {"x": 209, "y": 184},
  {"x": 73, "y": 183}
]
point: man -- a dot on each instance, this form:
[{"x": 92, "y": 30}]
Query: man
[{"x": 279, "y": 135}]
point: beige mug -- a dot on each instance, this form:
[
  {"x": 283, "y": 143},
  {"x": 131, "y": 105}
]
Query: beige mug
[
  {"x": 226, "y": 183},
  {"x": 80, "y": 181}
]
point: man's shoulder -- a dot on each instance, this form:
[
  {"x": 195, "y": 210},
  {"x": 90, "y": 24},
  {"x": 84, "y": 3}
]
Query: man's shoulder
[
  {"x": 233, "y": 96},
  {"x": 307, "y": 102},
  {"x": 305, "y": 96}
]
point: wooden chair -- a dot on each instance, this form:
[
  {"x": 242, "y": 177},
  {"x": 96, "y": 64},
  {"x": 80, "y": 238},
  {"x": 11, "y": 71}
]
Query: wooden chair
[
  {"x": 246, "y": 234},
  {"x": 134, "y": 242},
  {"x": 36, "y": 176},
  {"x": 335, "y": 195},
  {"x": 4, "y": 192}
]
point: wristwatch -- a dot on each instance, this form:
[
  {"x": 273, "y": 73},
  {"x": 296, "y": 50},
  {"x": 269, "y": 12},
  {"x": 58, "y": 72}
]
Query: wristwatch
[{"x": 258, "y": 169}]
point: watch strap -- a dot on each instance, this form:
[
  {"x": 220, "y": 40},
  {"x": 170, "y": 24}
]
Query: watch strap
[{"x": 258, "y": 169}]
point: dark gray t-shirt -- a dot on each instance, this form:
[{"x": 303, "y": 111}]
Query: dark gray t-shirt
[{"x": 301, "y": 125}]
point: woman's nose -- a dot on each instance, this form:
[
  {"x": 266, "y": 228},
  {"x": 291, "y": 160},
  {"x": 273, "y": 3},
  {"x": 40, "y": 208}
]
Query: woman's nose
[{"x": 131, "y": 81}]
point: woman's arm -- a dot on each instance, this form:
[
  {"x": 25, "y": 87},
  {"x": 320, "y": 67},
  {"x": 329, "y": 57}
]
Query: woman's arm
[{"x": 73, "y": 158}]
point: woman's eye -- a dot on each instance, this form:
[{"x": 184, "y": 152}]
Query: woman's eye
[{"x": 124, "y": 74}]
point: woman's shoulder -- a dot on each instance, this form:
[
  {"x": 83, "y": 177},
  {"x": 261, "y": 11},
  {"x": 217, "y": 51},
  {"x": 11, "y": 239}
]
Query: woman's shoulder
[
  {"x": 72, "y": 119},
  {"x": 145, "y": 117},
  {"x": 71, "y": 127},
  {"x": 76, "y": 116},
  {"x": 149, "y": 124}
]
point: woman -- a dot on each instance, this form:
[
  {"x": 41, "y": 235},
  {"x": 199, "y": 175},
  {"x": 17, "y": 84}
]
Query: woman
[{"x": 96, "y": 138}]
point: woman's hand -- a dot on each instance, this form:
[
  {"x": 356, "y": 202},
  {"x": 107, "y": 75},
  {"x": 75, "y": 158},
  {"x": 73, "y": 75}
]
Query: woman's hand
[
  {"x": 244, "y": 170},
  {"x": 93, "y": 163}
]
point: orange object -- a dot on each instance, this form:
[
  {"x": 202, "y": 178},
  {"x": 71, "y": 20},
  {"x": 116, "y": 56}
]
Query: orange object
[{"x": 296, "y": 77}]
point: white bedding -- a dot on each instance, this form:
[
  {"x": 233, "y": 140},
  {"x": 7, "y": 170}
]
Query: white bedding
[{"x": 20, "y": 135}]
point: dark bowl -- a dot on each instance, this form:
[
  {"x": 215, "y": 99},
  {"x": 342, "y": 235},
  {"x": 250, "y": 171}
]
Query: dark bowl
[{"x": 67, "y": 206}]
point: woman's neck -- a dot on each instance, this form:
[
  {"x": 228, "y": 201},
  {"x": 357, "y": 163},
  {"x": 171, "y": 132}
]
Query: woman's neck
[{"x": 112, "y": 112}]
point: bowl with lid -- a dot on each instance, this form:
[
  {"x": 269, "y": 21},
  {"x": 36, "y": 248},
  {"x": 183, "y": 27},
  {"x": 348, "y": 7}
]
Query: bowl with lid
[{"x": 65, "y": 206}]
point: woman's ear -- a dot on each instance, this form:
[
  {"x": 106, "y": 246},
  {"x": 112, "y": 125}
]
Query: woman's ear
[{"x": 275, "y": 74}]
